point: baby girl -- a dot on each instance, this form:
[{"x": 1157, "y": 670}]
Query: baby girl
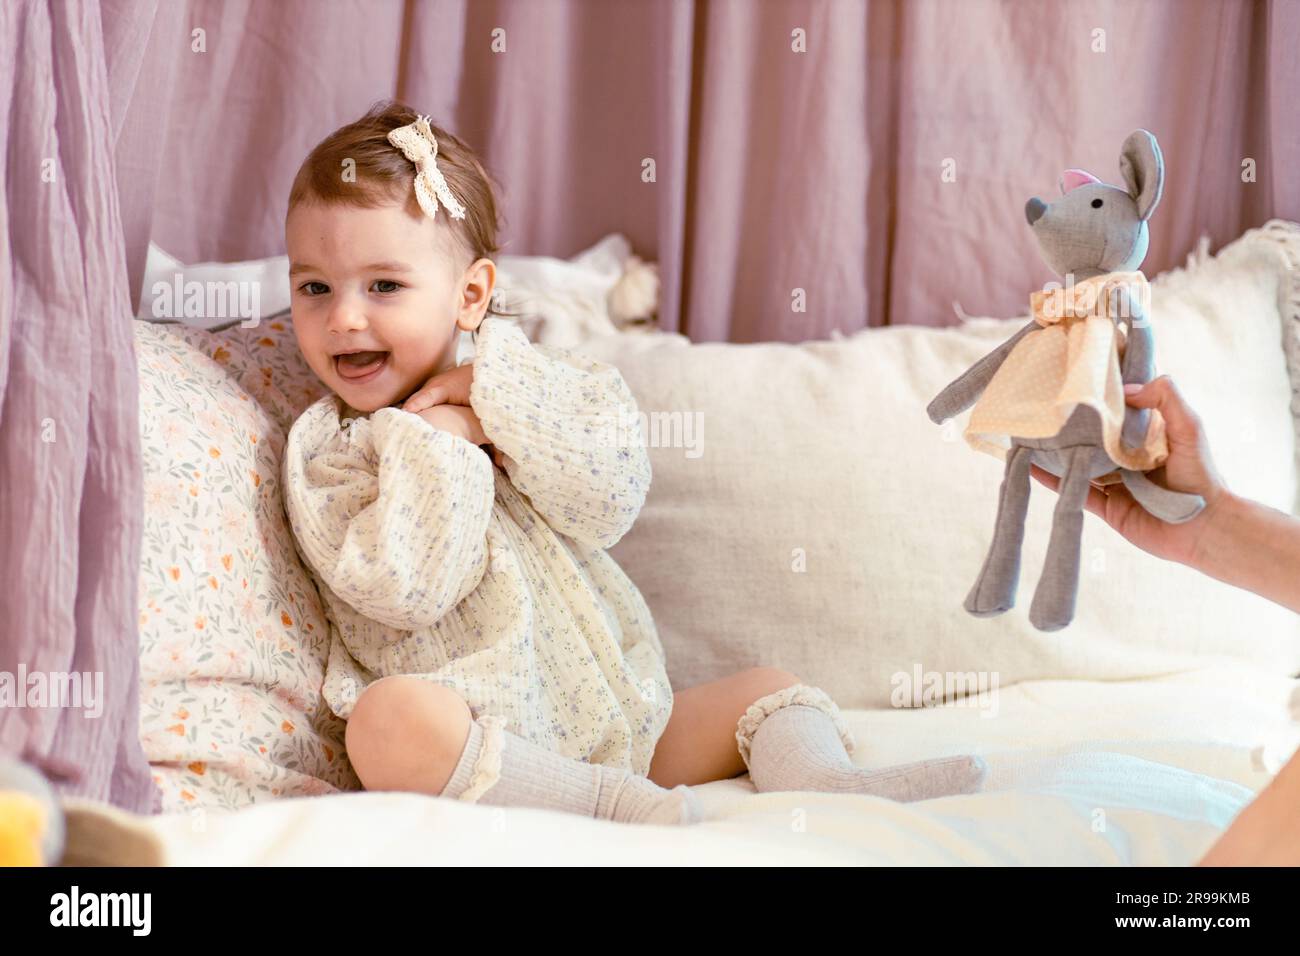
[{"x": 455, "y": 517}]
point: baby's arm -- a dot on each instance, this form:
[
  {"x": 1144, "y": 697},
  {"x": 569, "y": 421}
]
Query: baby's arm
[
  {"x": 461, "y": 420},
  {"x": 391, "y": 513},
  {"x": 569, "y": 430}
]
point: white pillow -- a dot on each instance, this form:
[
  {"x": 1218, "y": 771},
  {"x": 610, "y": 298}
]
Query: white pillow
[
  {"x": 260, "y": 289},
  {"x": 563, "y": 302},
  {"x": 815, "y": 518}
]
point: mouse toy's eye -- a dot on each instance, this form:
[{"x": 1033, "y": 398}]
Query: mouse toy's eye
[{"x": 1096, "y": 204}]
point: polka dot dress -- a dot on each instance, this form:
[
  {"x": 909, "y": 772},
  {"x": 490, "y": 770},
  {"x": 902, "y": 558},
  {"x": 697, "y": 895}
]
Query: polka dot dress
[{"x": 1073, "y": 360}]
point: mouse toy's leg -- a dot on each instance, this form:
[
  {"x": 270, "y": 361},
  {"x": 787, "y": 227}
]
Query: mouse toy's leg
[
  {"x": 1053, "y": 604},
  {"x": 995, "y": 589},
  {"x": 1172, "y": 506}
]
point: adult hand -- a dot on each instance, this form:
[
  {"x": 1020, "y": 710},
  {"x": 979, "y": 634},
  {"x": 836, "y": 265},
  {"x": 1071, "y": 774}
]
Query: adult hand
[
  {"x": 1266, "y": 833},
  {"x": 1189, "y": 468}
]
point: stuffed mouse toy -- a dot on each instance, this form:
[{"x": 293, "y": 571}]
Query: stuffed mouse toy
[{"x": 1052, "y": 394}]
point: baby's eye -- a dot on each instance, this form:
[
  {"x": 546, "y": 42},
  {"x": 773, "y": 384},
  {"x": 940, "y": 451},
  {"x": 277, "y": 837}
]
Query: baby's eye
[
  {"x": 387, "y": 282},
  {"x": 307, "y": 288}
]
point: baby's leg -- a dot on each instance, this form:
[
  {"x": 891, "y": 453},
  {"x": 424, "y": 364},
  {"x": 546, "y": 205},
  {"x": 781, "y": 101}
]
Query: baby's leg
[
  {"x": 699, "y": 743},
  {"x": 414, "y": 735},
  {"x": 795, "y": 738},
  {"x": 407, "y": 734}
]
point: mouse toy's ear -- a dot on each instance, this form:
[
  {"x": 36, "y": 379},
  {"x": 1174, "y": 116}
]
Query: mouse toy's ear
[
  {"x": 1074, "y": 178},
  {"x": 1143, "y": 168}
]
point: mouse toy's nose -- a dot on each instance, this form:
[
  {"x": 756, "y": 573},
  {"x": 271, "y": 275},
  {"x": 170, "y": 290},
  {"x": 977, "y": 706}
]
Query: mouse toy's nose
[{"x": 1034, "y": 209}]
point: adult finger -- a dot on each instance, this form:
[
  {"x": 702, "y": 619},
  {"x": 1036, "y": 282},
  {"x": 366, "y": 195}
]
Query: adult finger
[
  {"x": 1182, "y": 424},
  {"x": 1125, "y": 515},
  {"x": 1045, "y": 477}
]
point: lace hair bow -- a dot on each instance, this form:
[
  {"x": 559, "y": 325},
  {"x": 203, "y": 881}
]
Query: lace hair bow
[{"x": 418, "y": 145}]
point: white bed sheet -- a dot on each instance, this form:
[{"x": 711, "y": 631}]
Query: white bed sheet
[{"x": 1081, "y": 773}]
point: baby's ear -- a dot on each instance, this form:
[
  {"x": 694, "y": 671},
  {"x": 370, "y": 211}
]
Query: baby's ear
[{"x": 1143, "y": 168}]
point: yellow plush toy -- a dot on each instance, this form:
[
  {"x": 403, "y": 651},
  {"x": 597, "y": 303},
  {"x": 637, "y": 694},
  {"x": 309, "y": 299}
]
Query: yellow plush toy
[
  {"x": 31, "y": 821},
  {"x": 22, "y": 826}
]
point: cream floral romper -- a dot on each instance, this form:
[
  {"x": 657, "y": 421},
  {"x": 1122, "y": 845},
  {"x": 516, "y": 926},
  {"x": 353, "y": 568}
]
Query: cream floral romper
[{"x": 493, "y": 581}]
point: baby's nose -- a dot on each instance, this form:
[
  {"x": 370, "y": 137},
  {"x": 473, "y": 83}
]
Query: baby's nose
[
  {"x": 344, "y": 316},
  {"x": 1034, "y": 210}
]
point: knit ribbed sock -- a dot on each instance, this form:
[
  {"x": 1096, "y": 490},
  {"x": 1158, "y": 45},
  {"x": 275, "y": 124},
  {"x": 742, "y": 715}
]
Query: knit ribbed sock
[
  {"x": 799, "y": 747},
  {"x": 499, "y": 768}
]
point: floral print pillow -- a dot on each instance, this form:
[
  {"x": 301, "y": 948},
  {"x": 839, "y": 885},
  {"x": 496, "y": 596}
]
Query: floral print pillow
[{"x": 233, "y": 637}]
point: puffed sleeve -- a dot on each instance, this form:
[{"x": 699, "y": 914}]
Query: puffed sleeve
[
  {"x": 390, "y": 512},
  {"x": 570, "y": 431}
]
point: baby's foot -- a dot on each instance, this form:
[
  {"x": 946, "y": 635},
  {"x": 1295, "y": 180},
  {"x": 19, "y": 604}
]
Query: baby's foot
[
  {"x": 922, "y": 780},
  {"x": 636, "y": 799},
  {"x": 799, "y": 747}
]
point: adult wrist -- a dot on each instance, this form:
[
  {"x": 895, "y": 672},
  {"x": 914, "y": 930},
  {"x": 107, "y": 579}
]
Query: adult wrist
[{"x": 1213, "y": 549}]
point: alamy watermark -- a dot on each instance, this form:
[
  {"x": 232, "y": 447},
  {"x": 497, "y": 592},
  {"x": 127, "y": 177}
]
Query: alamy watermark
[
  {"x": 1127, "y": 300},
  {"x": 83, "y": 690},
  {"x": 922, "y": 688},
  {"x": 130, "y": 910},
  {"x": 211, "y": 299},
  {"x": 657, "y": 429}
]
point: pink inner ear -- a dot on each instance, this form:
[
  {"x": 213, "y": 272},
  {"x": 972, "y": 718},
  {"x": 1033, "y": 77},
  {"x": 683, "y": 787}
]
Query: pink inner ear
[{"x": 1074, "y": 178}]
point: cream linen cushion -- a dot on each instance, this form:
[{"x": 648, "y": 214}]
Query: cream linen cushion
[{"x": 823, "y": 524}]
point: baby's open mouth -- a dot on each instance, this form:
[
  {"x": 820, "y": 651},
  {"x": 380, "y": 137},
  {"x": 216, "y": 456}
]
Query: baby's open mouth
[{"x": 358, "y": 366}]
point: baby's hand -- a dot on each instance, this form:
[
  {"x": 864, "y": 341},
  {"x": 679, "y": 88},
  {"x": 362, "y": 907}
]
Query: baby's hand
[
  {"x": 459, "y": 420},
  {"x": 443, "y": 402},
  {"x": 450, "y": 387}
]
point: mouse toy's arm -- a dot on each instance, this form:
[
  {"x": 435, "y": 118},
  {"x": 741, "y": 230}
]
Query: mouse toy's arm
[
  {"x": 963, "y": 392},
  {"x": 1139, "y": 360}
]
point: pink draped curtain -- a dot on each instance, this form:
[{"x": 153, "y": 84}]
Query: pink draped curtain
[
  {"x": 795, "y": 146},
  {"x": 782, "y": 160},
  {"x": 70, "y": 473}
]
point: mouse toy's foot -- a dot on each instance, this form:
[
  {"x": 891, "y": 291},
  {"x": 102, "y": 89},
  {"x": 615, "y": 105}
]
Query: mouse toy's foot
[{"x": 1172, "y": 506}]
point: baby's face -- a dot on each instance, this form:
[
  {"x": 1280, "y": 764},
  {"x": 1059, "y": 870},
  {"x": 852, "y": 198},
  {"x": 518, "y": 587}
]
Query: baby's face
[{"x": 385, "y": 287}]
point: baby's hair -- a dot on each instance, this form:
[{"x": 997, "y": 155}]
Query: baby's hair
[{"x": 379, "y": 175}]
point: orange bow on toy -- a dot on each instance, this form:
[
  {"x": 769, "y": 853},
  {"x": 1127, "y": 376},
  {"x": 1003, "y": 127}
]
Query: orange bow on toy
[{"x": 1090, "y": 297}]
